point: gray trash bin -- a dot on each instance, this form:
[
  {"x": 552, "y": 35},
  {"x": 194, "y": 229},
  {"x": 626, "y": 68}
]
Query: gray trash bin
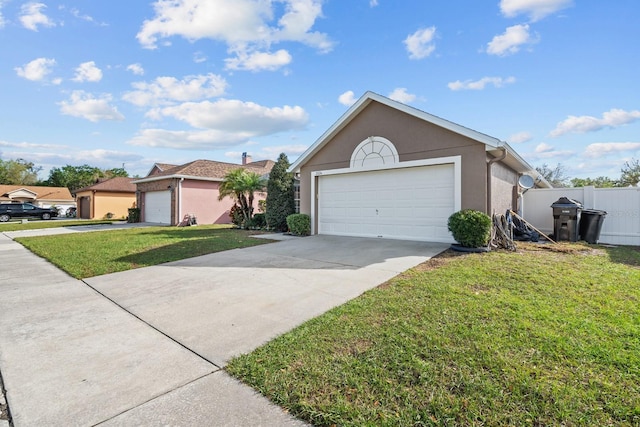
[
  {"x": 566, "y": 216},
  {"x": 591, "y": 224}
]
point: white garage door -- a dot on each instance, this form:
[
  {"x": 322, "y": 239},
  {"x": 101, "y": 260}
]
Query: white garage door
[
  {"x": 409, "y": 203},
  {"x": 157, "y": 207}
]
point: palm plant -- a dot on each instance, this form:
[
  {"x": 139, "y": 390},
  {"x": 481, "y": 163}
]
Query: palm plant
[{"x": 241, "y": 185}]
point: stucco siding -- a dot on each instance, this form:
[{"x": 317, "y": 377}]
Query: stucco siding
[
  {"x": 201, "y": 199},
  {"x": 414, "y": 139},
  {"x": 117, "y": 204},
  {"x": 503, "y": 181},
  {"x": 102, "y": 202}
]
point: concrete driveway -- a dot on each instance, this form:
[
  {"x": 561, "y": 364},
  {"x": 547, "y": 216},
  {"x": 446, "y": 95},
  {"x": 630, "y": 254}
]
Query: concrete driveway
[{"x": 146, "y": 346}]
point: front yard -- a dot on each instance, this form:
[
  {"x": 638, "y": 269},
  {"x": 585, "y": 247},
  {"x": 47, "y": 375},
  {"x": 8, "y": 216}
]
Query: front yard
[
  {"x": 101, "y": 252},
  {"x": 549, "y": 335}
]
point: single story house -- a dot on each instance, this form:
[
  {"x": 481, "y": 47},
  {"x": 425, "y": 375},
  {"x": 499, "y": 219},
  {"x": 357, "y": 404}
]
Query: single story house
[
  {"x": 170, "y": 193},
  {"x": 108, "y": 198},
  {"x": 59, "y": 197},
  {"x": 388, "y": 170}
]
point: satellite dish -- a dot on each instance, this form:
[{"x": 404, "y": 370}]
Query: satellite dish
[{"x": 526, "y": 181}]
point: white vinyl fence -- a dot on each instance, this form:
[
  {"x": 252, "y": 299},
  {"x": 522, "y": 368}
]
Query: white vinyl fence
[{"x": 621, "y": 225}]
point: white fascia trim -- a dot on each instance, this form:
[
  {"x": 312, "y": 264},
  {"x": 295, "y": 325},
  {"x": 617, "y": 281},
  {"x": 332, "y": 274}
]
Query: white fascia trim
[
  {"x": 160, "y": 178},
  {"x": 489, "y": 141},
  {"x": 457, "y": 173}
]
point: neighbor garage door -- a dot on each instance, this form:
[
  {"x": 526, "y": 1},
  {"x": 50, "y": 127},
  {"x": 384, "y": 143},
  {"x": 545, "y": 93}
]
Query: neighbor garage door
[
  {"x": 409, "y": 203},
  {"x": 157, "y": 207}
]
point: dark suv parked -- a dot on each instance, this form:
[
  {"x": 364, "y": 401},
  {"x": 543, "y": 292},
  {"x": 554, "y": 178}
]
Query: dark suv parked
[{"x": 25, "y": 210}]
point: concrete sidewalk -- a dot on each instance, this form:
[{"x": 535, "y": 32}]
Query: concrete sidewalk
[{"x": 146, "y": 347}]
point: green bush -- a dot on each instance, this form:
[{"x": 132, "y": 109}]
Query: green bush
[
  {"x": 470, "y": 228},
  {"x": 237, "y": 217},
  {"x": 299, "y": 224},
  {"x": 134, "y": 215},
  {"x": 258, "y": 221}
]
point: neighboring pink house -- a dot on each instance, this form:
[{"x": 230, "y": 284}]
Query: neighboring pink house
[{"x": 169, "y": 193}]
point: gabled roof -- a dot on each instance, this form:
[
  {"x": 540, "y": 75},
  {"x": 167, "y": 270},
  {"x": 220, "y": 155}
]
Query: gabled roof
[
  {"x": 493, "y": 145},
  {"x": 160, "y": 167},
  {"x": 207, "y": 170},
  {"x": 118, "y": 184},
  {"x": 40, "y": 192}
]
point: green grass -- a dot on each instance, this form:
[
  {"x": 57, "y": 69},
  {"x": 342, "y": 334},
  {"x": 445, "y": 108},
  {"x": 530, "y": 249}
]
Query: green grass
[
  {"x": 100, "y": 252},
  {"x": 535, "y": 337},
  {"x": 36, "y": 224}
]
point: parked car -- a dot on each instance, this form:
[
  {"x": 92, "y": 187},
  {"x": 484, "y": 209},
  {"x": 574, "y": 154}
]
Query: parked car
[{"x": 25, "y": 210}]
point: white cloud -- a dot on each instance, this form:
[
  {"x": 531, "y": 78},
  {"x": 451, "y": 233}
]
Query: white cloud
[
  {"x": 582, "y": 124},
  {"x": 603, "y": 148},
  {"x": 76, "y": 13},
  {"x": 85, "y": 105},
  {"x": 238, "y": 117},
  {"x": 546, "y": 151},
  {"x": 2, "y": 20},
  {"x": 520, "y": 137},
  {"x": 199, "y": 57},
  {"x": 136, "y": 69},
  {"x": 257, "y": 61},
  {"x": 88, "y": 72},
  {"x": 188, "y": 140},
  {"x": 511, "y": 41},
  {"x": 165, "y": 90},
  {"x": 32, "y": 16},
  {"x": 480, "y": 84},
  {"x": 348, "y": 98},
  {"x": 420, "y": 44},
  {"x": 535, "y": 9},
  {"x": 400, "y": 94},
  {"x": 373, "y": 3},
  {"x": 225, "y": 123},
  {"x": 100, "y": 158},
  {"x": 543, "y": 147},
  {"x": 31, "y": 145},
  {"x": 36, "y": 70},
  {"x": 244, "y": 25}
]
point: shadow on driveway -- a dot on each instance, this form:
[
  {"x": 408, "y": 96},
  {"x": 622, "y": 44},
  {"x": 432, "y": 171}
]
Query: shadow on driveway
[{"x": 227, "y": 303}]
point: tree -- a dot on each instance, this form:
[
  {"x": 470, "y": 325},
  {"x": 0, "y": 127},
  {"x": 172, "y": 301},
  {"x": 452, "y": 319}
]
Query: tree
[
  {"x": 114, "y": 172},
  {"x": 600, "y": 182},
  {"x": 630, "y": 174},
  {"x": 280, "y": 201},
  {"x": 556, "y": 176},
  {"x": 76, "y": 177},
  {"x": 18, "y": 172},
  {"x": 241, "y": 185}
]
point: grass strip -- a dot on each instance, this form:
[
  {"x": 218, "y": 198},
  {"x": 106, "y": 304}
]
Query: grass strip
[
  {"x": 547, "y": 335},
  {"x": 101, "y": 252},
  {"x": 36, "y": 225}
]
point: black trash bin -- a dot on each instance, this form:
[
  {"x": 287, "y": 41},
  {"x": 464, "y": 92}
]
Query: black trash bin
[
  {"x": 566, "y": 216},
  {"x": 591, "y": 224}
]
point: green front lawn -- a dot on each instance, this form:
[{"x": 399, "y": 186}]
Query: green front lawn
[
  {"x": 543, "y": 336},
  {"x": 54, "y": 223},
  {"x": 101, "y": 252}
]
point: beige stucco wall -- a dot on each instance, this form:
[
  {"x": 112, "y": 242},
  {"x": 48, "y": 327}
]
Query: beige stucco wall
[
  {"x": 414, "y": 139},
  {"x": 503, "y": 183},
  {"x": 103, "y": 202}
]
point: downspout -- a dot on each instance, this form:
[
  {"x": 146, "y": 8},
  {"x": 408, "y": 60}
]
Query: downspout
[
  {"x": 92, "y": 209},
  {"x": 490, "y": 162},
  {"x": 179, "y": 219}
]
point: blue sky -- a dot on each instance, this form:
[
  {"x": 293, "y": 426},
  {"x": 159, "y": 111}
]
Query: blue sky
[{"x": 108, "y": 83}]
